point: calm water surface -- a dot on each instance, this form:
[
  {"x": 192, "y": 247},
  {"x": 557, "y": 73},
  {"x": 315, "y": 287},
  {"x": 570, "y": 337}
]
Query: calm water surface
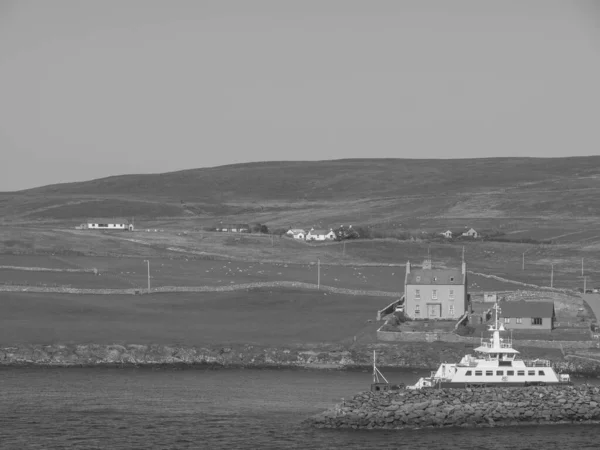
[{"x": 214, "y": 409}]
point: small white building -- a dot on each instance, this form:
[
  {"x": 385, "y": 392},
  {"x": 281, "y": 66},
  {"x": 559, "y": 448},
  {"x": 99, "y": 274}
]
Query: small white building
[
  {"x": 471, "y": 233},
  {"x": 320, "y": 235},
  {"x": 116, "y": 223},
  {"x": 296, "y": 233},
  {"x": 447, "y": 234}
]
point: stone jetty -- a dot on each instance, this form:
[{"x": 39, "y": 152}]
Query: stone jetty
[{"x": 478, "y": 407}]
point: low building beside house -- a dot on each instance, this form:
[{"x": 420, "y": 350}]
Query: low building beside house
[
  {"x": 432, "y": 293},
  {"x": 522, "y": 315},
  {"x": 471, "y": 233},
  {"x": 234, "y": 228},
  {"x": 447, "y": 234},
  {"x": 296, "y": 233},
  {"x": 114, "y": 224},
  {"x": 320, "y": 235}
]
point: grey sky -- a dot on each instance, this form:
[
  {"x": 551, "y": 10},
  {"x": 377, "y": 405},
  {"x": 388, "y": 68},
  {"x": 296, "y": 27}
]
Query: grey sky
[{"x": 96, "y": 88}]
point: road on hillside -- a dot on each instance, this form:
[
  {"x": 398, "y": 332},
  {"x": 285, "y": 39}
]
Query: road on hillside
[{"x": 594, "y": 301}]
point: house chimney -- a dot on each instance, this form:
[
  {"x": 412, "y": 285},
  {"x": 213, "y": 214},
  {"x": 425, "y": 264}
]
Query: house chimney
[
  {"x": 427, "y": 264},
  {"x": 407, "y": 266}
]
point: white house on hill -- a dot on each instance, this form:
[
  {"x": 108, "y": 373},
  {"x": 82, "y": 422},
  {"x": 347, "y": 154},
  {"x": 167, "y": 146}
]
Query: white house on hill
[
  {"x": 116, "y": 223},
  {"x": 320, "y": 235},
  {"x": 447, "y": 234}
]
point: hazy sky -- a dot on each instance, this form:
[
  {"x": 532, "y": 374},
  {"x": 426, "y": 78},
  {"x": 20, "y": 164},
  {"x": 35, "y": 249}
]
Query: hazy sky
[{"x": 92, "y": 88}]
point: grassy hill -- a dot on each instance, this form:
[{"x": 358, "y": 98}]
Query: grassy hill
[{"x": 414, "y": 192}]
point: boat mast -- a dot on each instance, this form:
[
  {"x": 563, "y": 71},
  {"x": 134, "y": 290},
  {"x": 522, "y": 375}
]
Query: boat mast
[{"x": 376, "y": 372}]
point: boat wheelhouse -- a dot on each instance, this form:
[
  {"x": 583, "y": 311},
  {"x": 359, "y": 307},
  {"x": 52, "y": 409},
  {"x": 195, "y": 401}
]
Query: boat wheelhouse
[{"x": 496, "y": 363}]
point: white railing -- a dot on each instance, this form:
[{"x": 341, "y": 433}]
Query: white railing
[{"x": 491, "y": 345}]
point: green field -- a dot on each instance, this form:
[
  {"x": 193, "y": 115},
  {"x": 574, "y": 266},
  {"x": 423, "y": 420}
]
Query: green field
[{"x": 262, "y": 317}]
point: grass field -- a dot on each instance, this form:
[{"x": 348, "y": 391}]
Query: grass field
[
  {"x": 270, "y": 317},
  {"x": 118, "y": 273}
]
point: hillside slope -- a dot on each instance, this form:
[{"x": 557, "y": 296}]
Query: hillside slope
[{"x": 375, "y": 188}]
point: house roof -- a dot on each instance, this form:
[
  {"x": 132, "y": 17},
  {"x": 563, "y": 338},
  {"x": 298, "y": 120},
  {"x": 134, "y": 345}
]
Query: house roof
[
  {"x": 320, "y": 231},
  {"x": 526, "y": 309},
  {"x": 296, "y": 230},
  {"x": 113, "y": 220},
  {"x": 435, "y": 276}
]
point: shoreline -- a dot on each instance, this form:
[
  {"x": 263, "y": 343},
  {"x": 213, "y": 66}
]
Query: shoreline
[{"x": 332, "y": 357}]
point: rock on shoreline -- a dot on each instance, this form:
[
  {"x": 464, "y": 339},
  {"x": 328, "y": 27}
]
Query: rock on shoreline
[
  {"x": 489, "y": 407},
  {"x": 326, "y": 356}
]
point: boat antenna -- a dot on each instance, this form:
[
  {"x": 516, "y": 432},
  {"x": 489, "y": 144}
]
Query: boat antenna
[{"x": 376, "y": 372}]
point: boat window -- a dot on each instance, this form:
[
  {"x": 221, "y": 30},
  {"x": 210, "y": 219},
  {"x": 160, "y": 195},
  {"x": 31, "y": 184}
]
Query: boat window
[
  {"x": 531, "y": 372},
  {"x": 500, "y": 372},
  {"x": 521, "y": 372},
  {"x": 541, "y": 372},
  {"x": 469, "y": 373},
  {"x": 489, "y": 372},
  {"x": 478, "y": 373},
  {"x": 510, "y": 372}
]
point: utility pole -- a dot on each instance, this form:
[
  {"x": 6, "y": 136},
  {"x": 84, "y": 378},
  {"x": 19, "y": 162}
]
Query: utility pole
[
  {"x": 318, "y": 274},
  {"x": 581, "y": 266},
  {"x": 584, "y": 284},
  {"x": 523, "y": 265},
  {"x": 552, "y": 277},
  {"x": 148, "y": 261}
]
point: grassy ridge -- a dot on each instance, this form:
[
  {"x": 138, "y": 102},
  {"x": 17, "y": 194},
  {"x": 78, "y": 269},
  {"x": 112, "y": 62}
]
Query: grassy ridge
[{"x": 368, "y": 191}]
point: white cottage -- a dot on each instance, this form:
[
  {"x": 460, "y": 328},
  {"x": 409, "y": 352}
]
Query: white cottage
[
  {"x": 296, "y": 233},
  {"x": 116, "y": 223},
  {"x": 320, "y": 235}
]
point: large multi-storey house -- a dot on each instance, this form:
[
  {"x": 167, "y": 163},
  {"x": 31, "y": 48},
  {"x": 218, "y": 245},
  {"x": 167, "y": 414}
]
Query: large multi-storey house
[{"x": 435, "y": 293}]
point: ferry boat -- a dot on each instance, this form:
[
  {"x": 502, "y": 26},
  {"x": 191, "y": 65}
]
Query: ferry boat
[{"x": 495, "y": 364}]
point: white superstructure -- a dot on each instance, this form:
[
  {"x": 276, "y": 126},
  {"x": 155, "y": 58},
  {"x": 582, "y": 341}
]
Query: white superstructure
[{"x": 495, "y": 364}]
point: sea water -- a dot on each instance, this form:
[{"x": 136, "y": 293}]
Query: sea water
[{"x": 111, "y": 408}]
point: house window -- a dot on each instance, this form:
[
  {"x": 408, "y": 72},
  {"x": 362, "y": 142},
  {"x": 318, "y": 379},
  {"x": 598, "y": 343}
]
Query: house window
[
  {"x": 418, "y": 294},
  {"x": 418, "y": 278},
  {"x": 531, "y": 372},
  {"x": 434, "y": 278},
  {"x": 519, "y": 320},
  {"x": 469, "y": 373},
  {"x": 478, "y": 373},
  {"x": 434, "y": 294},
  {"x": 507, "y": 320},
  {"x": 417, "y": 309},
  {"x": 510, "y": 372},
  {"x": 451, "y": 310},
  {"x": 451, "y": 294},
  {"x": 536, "y": 321},
  {"x": 489, "y": 373},
  {"x": 499, "y": 372},
  {"x": 521, "y": 373}
]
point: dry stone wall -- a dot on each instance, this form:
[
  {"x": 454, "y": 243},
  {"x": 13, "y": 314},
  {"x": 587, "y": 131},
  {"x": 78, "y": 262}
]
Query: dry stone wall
[
  {"x": 464, "y": 408},
  {"x": 169, "y": 289}
]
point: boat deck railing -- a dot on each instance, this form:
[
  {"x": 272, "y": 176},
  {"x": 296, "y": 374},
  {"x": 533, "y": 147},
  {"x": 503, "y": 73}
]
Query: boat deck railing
[{"x": 490, "y": 345}]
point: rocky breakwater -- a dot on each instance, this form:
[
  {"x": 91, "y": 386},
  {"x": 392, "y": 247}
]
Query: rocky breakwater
[{"x": 490, "y": 407}]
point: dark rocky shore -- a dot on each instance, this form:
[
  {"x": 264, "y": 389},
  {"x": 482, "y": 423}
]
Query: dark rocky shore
[
  {"x": 326, "y": 356},
  {"x": 484, "y": 407}
]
